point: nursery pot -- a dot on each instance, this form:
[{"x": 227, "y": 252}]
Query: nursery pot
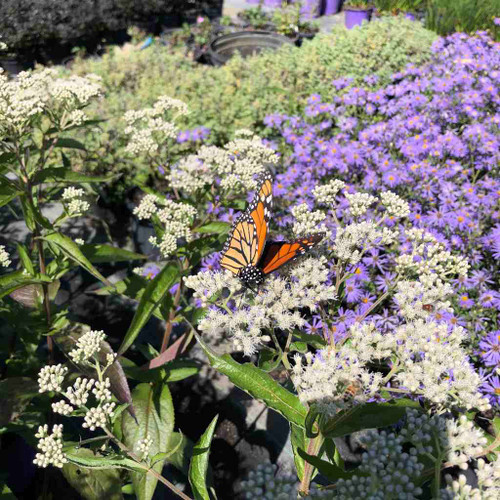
[
  {"x": 246, "y": 43},
  {"x": 11, "y": 65},
  {"x": 310, "y": 8},
  {"x": 354, "y": 17},
  {"x": 330, "y": 7}
]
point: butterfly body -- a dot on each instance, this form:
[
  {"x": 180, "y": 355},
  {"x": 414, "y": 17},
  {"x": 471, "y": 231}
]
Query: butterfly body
[{"x": 247, "y": 253}]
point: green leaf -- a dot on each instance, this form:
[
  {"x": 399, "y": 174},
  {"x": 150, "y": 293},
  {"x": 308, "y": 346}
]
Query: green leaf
[
  {"x": 154, "y": 294},
  {"x": 173, "y": 371},
  {"x": 6, "y": 494},
  {"x": 73, "y": 252},
  {"x": 25, "y": 258},
  {"x": 155, "y": 419},
  {"x": 97, "y": 462},
  {"x": 298, "y": 440},
  {"x": 66, "y": 175},
  {"x": 183, "y": 447},
  {"x": 67, "y": 142},
  {"x": 331, "y": 471},
  {"x": 269, "y": 359},
  {"x": 98, "y": 254},
  {"x": 312, "y": 416},
  {"x": 259, "y": 385},
  {"x": 175, "y": 445},
  {"x": 367, "y": 416},
  {"x": 13, "y": 281},
  {"x": 199, "y": 463},
  {"x": 316, "y": 341},
  {"x": 214, "y": 228},
  {"x": 7, "y": 192},
  {"x": 93, "y": 484},
  {"x": 15, "y": 395}
]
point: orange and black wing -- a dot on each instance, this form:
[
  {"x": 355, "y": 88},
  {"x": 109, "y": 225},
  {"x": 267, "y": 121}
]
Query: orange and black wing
[
  {"x": 248, "y": 236},
  {"x": 278, "y": 253}
]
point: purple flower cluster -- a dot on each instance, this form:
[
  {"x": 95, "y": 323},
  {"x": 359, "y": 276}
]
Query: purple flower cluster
[
  {"x": 197, "y": 134},
  {"x": 433, "y": 137}
]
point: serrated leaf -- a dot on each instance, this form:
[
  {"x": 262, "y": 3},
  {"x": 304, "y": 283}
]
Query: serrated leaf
[
  {"x": 183, "y": 451},
  {"x": 73, "y": 252},
  {"x": 154, "y": 294},
  {"x": 98, "y": 254},
  {"x": 367, "y": 416},
  {"x": 97, "y": 462},
  {"x": 68, "y": 142},
  {"x": 259, "y": 385},
  {"x": 155, "y": 419},
  {"x": 66, "y": 175},
  {"x": 93, "y": 484},
  {"x": 199, "y": 463}
]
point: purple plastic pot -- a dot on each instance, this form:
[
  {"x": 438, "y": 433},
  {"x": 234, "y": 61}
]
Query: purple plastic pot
[
  {"x": 330, "y": 7},
  {"x": 355, "y": 17},
  {"x": 410, "y": 16},
  {"x": 310, "y": 8}
]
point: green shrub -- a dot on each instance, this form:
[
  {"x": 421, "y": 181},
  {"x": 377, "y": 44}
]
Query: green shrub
[{"x": 241, "y": 93}]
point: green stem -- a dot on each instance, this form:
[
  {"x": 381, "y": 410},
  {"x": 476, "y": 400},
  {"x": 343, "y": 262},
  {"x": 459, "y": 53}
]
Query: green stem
[
  {"x": 146, "y": 468},
  {"x": 313, "y": 448}
]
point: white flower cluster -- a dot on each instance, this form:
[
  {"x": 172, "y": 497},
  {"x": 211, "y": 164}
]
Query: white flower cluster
[
  {"x": 4, "y": 257},
  {"x": 148, "y": 128},
  {"x": 207, "y": 284},
  {"x": 236, "y": 165},
  {"x": 488, "y": 484},
  {"x": 352, "y": 241},
  {"x": 51, "y": 447},
  {"x": 262, "y": 483},
  {"x": 51, "y": 377},
  {"x": 147, "y": 207},
  {"x": 457, "y": 441},
  {"x": 72, "y": 198},
  {"x": 387, "y": 471},
  {"x": 98, "y": 416},
  {"x": 62, "y": 408},
  {"x": 191, "y": 174},
  {"x": 428, "y": 358},
  {"x": 177, "y": 219},
  {"x": 277, "y": 304},
  {"x": 34, "y": 93},
  {"x": 78, "y": 395},
  {"x": 87, "y": 346},
  {"x": 417, "y": 299},
  {"x": 359, "y": 203},
  {"x": 143, "y": 446},
  {"x": 308, "y": 221},
  {"x": 429, "y": 256},
  {"x": 101, "y": 390},
  {"x": 326, "y": 193},
  {"x": 395, "y": 206}
]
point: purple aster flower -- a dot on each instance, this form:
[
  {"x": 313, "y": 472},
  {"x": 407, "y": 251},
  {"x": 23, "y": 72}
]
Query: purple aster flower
[
  {"x": 491, "y": 388},
  {"x": 150, "y": 270},
  {"x": 211, "y": 262},
  {"x": 352, "y": 291},
  {"x": 490, "y": 348},
  {"x": 315, "y": 326}
]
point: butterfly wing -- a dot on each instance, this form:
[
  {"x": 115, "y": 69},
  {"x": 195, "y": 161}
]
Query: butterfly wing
[
  {"x": 248, "y": 236},
  {"x": 278, "y": 253}
]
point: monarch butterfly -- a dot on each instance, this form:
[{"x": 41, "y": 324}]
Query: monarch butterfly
[{"x": 247, "y": 253}]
